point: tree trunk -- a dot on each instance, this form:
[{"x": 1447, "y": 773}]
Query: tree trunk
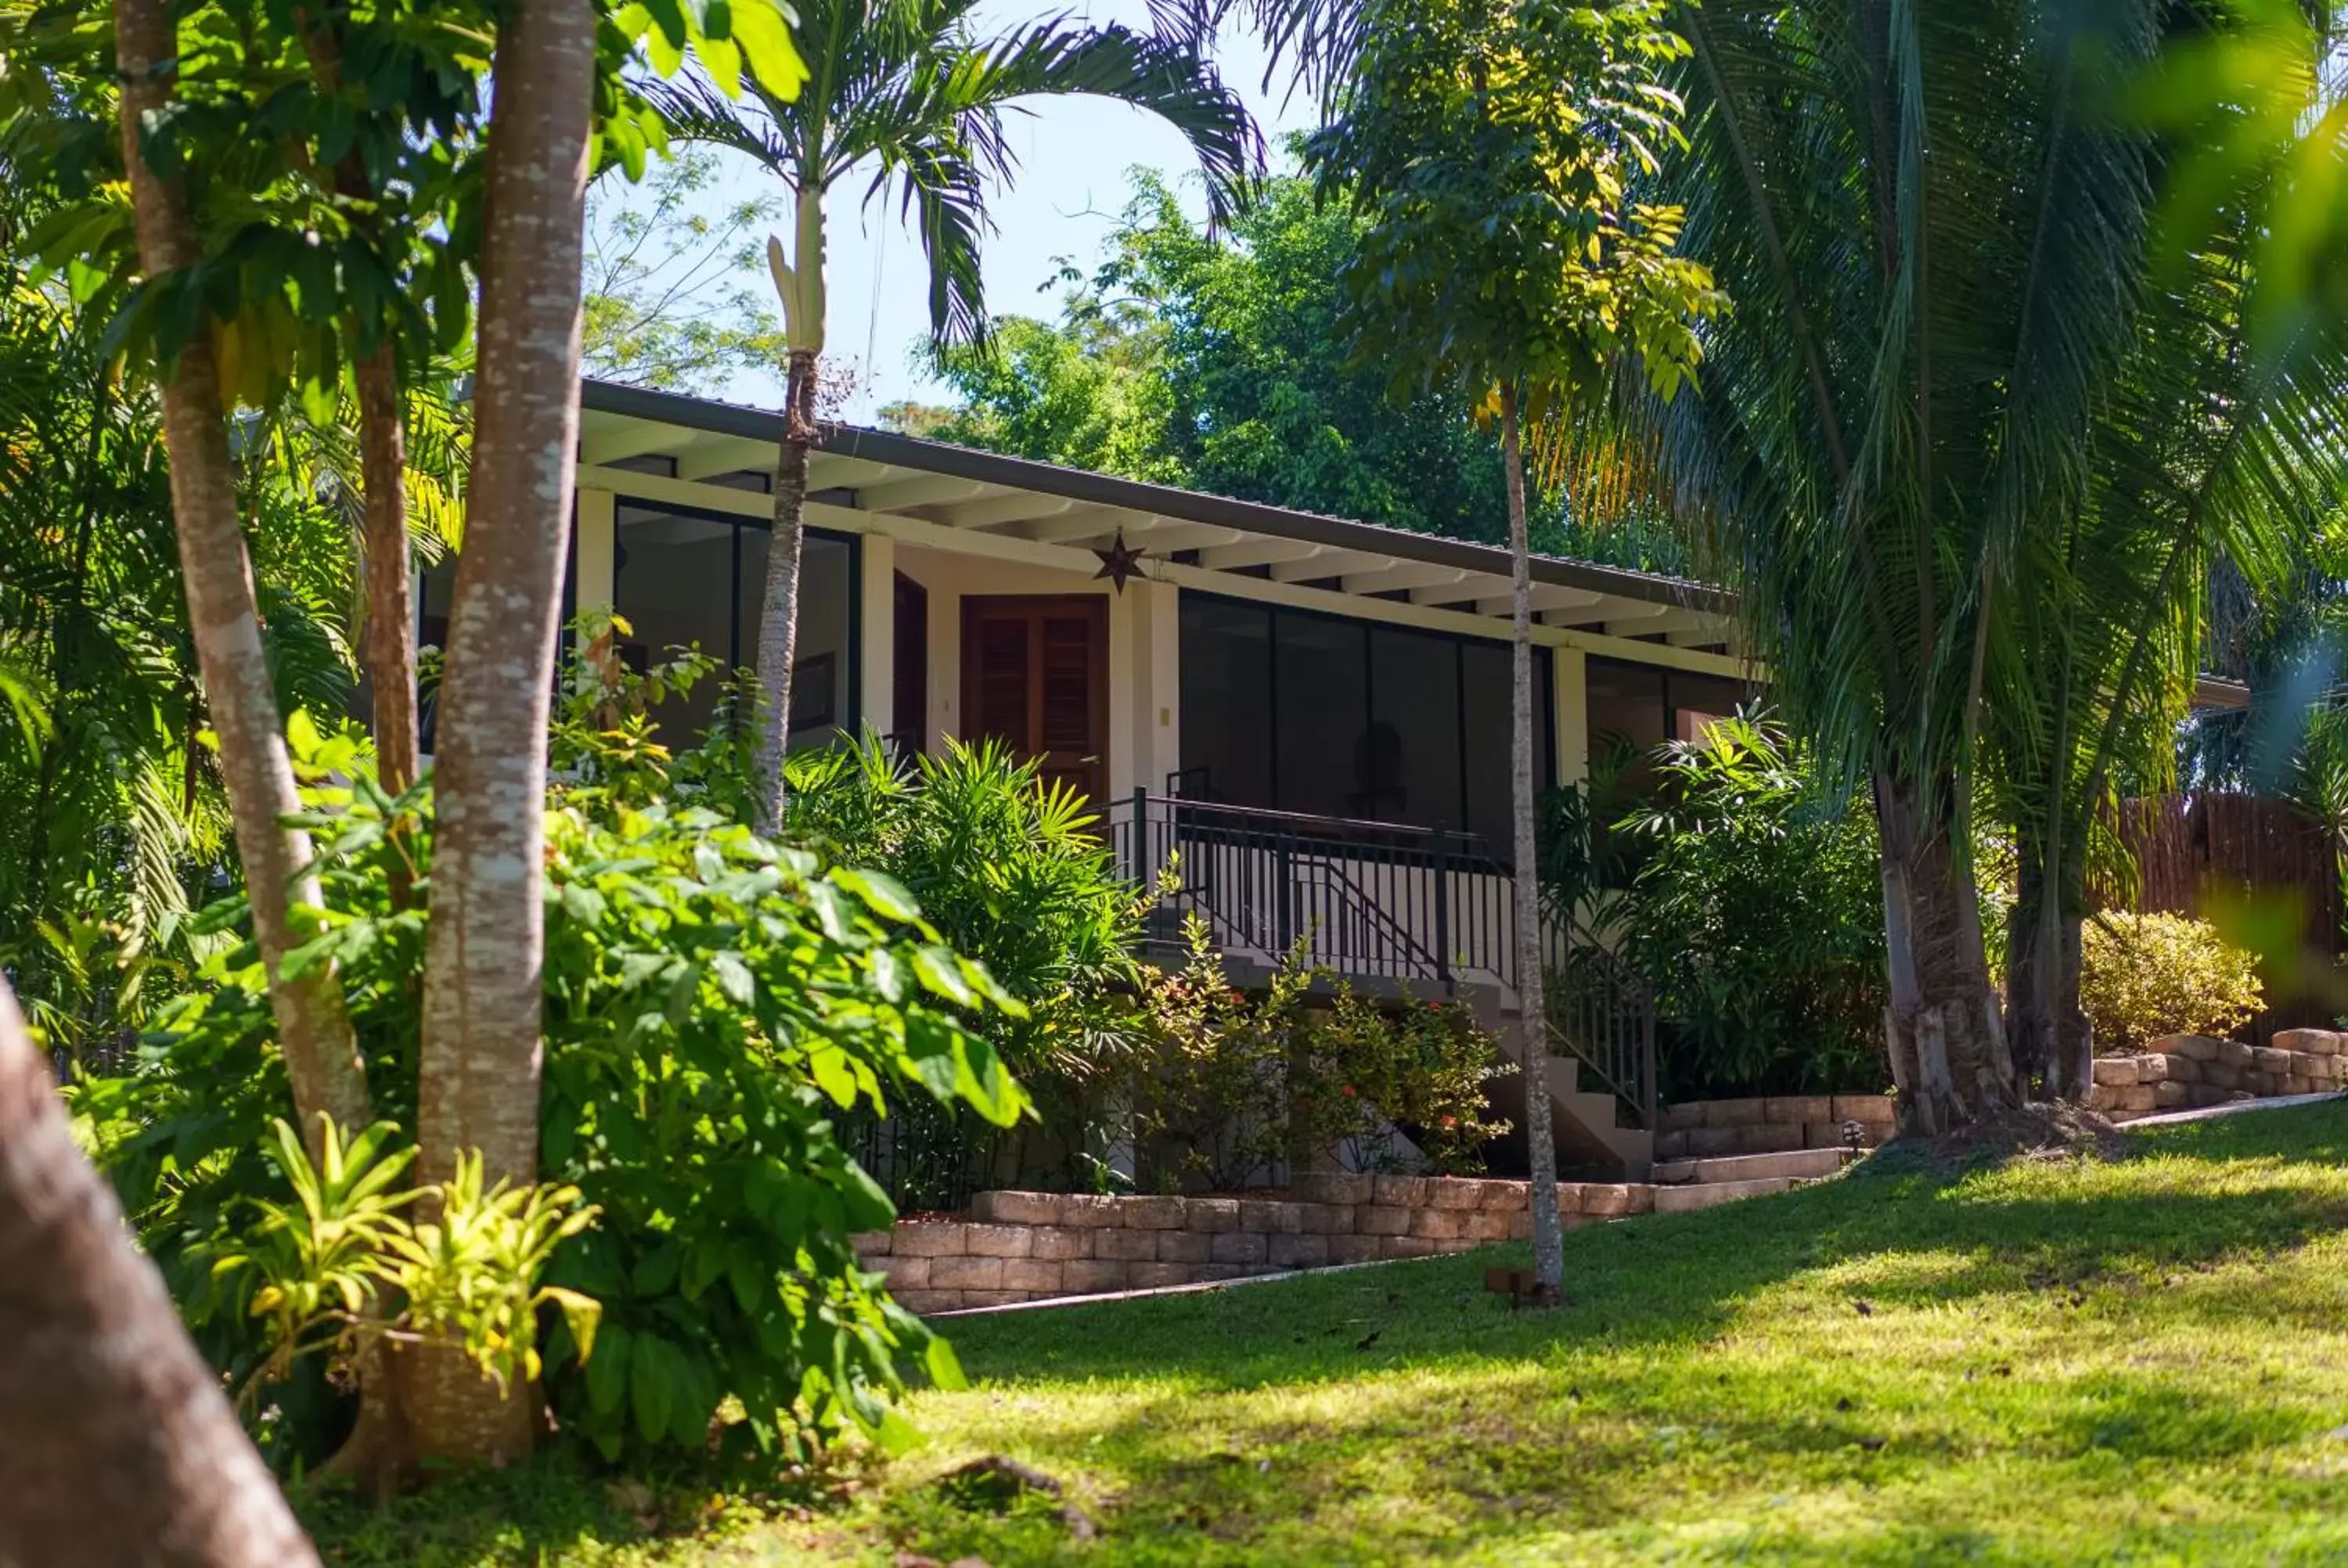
[
  {"x": 2047, "y": 1031},
  {"x": 121, "y": 1446},
  {"x": 1533, "y": 1015},
  {"x": 779, "y": 629},
  {"x": 322, "y": 1059},
  {"x": 390, "y": 584},
  {"x": 390, "y": 635},
  {"x": 1948, "y": 1046},
  {"x": 478, "y": 1072}
]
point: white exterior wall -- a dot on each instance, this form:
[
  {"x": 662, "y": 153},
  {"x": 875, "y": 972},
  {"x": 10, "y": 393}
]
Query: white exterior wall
[
  {"x": 1143, "y": 674},
  {"x": 876, "y": 653},
  {"x": 598, "y": 527}
]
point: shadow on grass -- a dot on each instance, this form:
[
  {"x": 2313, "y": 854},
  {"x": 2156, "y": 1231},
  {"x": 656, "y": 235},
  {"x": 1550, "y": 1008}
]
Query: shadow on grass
[
  {"x": 2190, "y": 1198},
  {"x": 2031, "y": 1363},
  {"x": 546, "y": 1511}
]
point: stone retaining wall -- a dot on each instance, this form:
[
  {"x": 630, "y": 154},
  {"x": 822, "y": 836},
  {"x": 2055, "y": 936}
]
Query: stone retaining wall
[
  {"x": 1027, "y": 1246},
  {"x": 2182, "y": 1072},
  {"x": 1778, "y": 1126}
]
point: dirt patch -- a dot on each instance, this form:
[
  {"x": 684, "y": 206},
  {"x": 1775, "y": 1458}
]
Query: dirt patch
[{"x": 2041, "y": 1131}]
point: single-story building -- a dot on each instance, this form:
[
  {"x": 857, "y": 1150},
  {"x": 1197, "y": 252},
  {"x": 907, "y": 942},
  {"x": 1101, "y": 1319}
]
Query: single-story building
[{"x": 1313, "y": 711}]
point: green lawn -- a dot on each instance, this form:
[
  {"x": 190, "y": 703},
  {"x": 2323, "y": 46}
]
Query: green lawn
[{"x": 2143, "y": 1360}]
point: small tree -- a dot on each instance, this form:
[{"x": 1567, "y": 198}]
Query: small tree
[{"x": 1492, "y": 145}]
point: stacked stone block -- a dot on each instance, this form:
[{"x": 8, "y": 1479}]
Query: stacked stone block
[
  {"x": 2184, "y": 1072},
  {"x": 1028, "y": 1247},
  {"x": 1702, "y": 1129}
]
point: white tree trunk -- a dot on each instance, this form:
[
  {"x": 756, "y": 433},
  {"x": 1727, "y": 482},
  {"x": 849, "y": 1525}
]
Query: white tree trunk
[
  {"x": 1532, "y": 1014},
  {"x": 322, "y": 1059},
  {"x": 477, "y": 1073},
  {"x": 120, "y": 1446},
  {"x": 778, "y": 626}
]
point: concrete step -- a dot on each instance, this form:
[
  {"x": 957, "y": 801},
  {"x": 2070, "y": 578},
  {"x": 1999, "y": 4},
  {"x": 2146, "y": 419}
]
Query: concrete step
[
  {"x": 1586, "y": 1124},
  {"x": 1705, "y": 1194},
  {"x": 1799, "y": 1163}
]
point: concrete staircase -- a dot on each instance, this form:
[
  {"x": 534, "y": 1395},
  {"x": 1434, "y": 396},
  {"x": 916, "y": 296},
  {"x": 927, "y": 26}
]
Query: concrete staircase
[
  {"x": 1681, "y": 1186},
  {"x": 1585, "y": 1122}
]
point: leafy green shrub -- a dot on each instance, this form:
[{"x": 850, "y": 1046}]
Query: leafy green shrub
[
  {"x": 1230, "y": 1085},
  {"x": 1015, "y": 873},
  {"x": 2145, "y": 975},
  {"x": 1757, "y": 918},
  {"x": 715, "y": 1007}
]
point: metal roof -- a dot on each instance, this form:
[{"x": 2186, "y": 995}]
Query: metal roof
[{"x": 885, "y": 474}]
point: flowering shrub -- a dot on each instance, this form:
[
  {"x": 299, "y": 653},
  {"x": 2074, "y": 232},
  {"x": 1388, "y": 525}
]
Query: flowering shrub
[
  {"x": 2145, "y": 975},
  {"x": 1231, "y": 1086}
]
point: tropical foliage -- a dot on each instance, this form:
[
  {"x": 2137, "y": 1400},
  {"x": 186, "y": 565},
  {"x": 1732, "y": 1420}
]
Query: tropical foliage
[
  {"x": 714, "y": 1005},
  {"x": 1756, "y": 919},
  {"x": 1014, "y": 874},
  {"x": 121, "y": 828},
  {"x": 1215, "y": 361},
  {"x": 1234, "y": 1087}
]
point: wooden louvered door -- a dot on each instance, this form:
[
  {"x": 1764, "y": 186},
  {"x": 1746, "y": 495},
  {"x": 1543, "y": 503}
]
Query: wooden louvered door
[{"x": 1035, "y": 673}]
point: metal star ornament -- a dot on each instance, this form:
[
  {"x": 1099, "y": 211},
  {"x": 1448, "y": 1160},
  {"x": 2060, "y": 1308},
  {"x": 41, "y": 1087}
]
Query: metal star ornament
[{"x": 1119, "y": 563}]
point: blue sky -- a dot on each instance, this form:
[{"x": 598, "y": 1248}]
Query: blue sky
[{"x": 1074, "y": 157}]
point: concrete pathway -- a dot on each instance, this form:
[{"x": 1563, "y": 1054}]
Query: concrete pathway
[{"x": 2232, "y": 1108}]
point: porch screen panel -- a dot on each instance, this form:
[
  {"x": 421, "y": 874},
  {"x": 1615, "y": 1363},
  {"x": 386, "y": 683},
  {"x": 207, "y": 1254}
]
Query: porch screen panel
[
  {"x": 823, "y": 708},
  {"x": 672, "y": 572},
  {"x": 1410, "y": 767},
  {"x": 1487, "y": 682},
  {"x": 1226, "y": 702},
  {"x": 685, "y": 579},
  {"x": 1321, "y": 696}
]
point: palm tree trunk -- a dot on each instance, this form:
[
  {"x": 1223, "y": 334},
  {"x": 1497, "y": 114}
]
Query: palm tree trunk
[
  {"x": 2047, "y": 1031},
  {"x": 1533, "y": 1015},
  {"x": 322, "y": 1059},
  {"x": 1949, "y": 1059},
  {"x": 477, "y": 1070},
  {"x": 779, "y": 629},
  {"x": 121, "y": 1446}
]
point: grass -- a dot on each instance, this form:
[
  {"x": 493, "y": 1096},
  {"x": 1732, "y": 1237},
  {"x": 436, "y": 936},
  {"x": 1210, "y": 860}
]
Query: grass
[{"x": 2142, "y": 1362}]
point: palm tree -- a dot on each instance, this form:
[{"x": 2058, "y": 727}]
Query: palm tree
[
  {"x": 901, "y": 88},
  {"x": 1985, "y": 415},
  {"x": 2002, "y": 383}
]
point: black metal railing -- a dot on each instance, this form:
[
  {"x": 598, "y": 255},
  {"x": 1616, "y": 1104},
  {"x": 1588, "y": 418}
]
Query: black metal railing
[
  {"x": 1384, "y": 900},
  {"x": 1360, "y": 897},
  {"x": 1602, "y": 1015}
]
